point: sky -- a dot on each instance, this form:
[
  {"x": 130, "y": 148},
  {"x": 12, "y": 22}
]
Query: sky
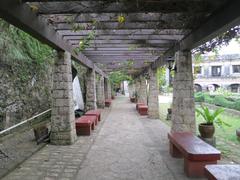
[{"x": 232, "y": 48}]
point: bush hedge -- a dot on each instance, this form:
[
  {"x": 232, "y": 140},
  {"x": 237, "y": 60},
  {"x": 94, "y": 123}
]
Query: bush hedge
[{"x": 218, "y": 100}]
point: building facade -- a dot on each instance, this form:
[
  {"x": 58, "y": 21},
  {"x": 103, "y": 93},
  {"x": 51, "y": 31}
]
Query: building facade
[{"x": 222, "y": 71}]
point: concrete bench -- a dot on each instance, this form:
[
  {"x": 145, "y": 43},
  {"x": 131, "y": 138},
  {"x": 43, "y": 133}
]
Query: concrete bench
[
  {"x": 226, "y": 171},
  {"x": 96, "y": 113},
  {"x": 143, "y": 110},
  {"x": 196, "y": 152},
  {"x": 85, "y": 125},
  {"x": 108, "y": 102},
  {"x": 138, "y": 104}
]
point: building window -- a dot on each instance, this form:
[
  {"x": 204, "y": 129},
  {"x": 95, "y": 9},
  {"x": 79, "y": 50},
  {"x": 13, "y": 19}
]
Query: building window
[
  {"x": 216, "y": 70},
  {"x": 236, "y": 68},
  {"x": 235, "y": 88},
  {"x": 197, "y": 70}
]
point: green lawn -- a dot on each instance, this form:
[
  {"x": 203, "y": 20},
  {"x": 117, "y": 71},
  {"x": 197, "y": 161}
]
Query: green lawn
[{"x": 227, "y": 141}]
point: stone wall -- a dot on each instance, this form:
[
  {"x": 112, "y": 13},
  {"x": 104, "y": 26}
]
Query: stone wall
[
  {"x": 23, "y": 96},
  {"x": 22, "y": 138},
  {"x": 25, "y": 76}
]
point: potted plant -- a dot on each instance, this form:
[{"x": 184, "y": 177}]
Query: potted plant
[{"x": 207, "y": 128}]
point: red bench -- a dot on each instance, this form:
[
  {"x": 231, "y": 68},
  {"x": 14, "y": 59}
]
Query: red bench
[
  {"x": 132, "y": 99},
  {"x": 85, "y": 125},
  {"x": 226, "y": 171},
  {"x": 96, "y": 113},
  {"x": 196, "y": 152},
  {"x": 108, "y": 102},
  {"x": 138, "y": 104},
  {"x": 143, "y": 109}
]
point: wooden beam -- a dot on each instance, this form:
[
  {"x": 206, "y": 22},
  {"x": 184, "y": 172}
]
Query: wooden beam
[
  {"x": 140, "y": 41},
  {"x": 144, "y": 6},
  {"x": 24, "y": 18},
  {"x": 128, "y": 25},
  {"x": 127, "y": 32},
  {"x": 125, "y": 49},
  {"x": 219, "y": 22},
  {"x": 129, "y": 17},
  {"x": 126, "y": 37},
  {"x": 129, "y": 46}
]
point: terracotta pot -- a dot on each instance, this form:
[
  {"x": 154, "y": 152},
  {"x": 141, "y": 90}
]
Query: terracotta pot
[
  {"x": 238, "y": 133},
  {"x": 206, "y": 130}
]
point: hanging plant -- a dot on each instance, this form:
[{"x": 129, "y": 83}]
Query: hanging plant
[{"x": 121, "y": 19}]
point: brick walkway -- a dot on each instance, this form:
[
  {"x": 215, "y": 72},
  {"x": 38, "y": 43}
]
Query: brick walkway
[{"x": 125, "y": 146}]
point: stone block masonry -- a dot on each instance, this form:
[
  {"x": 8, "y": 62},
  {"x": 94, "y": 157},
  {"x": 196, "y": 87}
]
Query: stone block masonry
[
  {"x": 91, "y": 97},
  {"x": 63, "y": 121},
  {"x": 100, "y": 93},
  {"x": 142, "y": 90},
  {"x": 109, "y": 90},
  {"x": 183, "y": 107},
  {"x": 153, "y": 104}
]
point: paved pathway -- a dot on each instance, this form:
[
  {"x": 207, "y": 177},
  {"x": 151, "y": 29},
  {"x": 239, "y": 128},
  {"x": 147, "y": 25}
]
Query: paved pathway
[{"x": 125, "y": 146}]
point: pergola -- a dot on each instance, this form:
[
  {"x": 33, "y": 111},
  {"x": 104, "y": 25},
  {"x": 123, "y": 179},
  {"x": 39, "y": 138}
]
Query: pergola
[{"x": 148, "y": 33}]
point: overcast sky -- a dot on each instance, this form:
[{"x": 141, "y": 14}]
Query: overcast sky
[{"x": 232, "y": 48}]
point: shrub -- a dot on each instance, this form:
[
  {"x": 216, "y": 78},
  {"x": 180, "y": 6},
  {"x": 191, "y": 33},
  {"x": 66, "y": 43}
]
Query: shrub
[
  {"x": 222, "y": 101},
  {"x": 208, "y": 99},
  {"x": 199, "y": 97},
  {"x": 237, "y": 105}
]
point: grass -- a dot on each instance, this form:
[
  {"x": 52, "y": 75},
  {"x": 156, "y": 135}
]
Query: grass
[{"x": 226, "y": 137}]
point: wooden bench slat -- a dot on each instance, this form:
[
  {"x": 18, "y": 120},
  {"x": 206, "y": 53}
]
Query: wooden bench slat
[
  {"x": 193, "y": 147},
  {"x": 223, "y": 171}
]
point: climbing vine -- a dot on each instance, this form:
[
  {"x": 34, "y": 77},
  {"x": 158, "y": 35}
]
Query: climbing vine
[
  {"x": 221, "y": 40},
  {"x": 117, "y": 77},
  {"x": 17, "y": 48}
]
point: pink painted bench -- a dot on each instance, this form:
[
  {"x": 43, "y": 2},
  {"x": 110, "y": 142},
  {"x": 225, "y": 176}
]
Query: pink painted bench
[
  {"x": 222, "y": 171},
  {"x": 108, "y": 102},
  {"x": 196, "y": 153},
  {"x": 85, "y": 125},
  {"x": 138, "y": 104},
  {"x": 96, "y": 113},
  {"x": 143, "y": 110}
]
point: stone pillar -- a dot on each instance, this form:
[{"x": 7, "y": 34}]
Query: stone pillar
[
  {"x": 106, "y": 88},
  {"x": 142, "y": 90},
  {"x": 137, "y": 87},
  {"x": 153, "y": 104},
  {"x": 91, "y": 99},
  {"x": 109, "y": 90},
  {"x": 130, "y": 90},
  {"x": 63, "y": 131},
  {"x": 183, "y": 107},
  {"x": 100, "y": 93}
]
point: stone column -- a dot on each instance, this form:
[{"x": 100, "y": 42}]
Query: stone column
[
  {"x": 91, "y": 99},
  {"x": 100, "y": 92},
  {"x": 183, "y": 107},
  {"x": 63, "y": 131},
  {"x": 153, "y": 104},
  {"x": 109, "y": 90},
  {"x": 137, "y": 87},
  {"x": 130, "y": 90},
  {"x": 142, "y": 90},
  {"x": 106, "y": 88}
]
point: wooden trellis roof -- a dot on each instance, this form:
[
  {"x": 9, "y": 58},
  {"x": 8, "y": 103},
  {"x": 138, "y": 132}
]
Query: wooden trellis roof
[{"x": 148, "y": 31}]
